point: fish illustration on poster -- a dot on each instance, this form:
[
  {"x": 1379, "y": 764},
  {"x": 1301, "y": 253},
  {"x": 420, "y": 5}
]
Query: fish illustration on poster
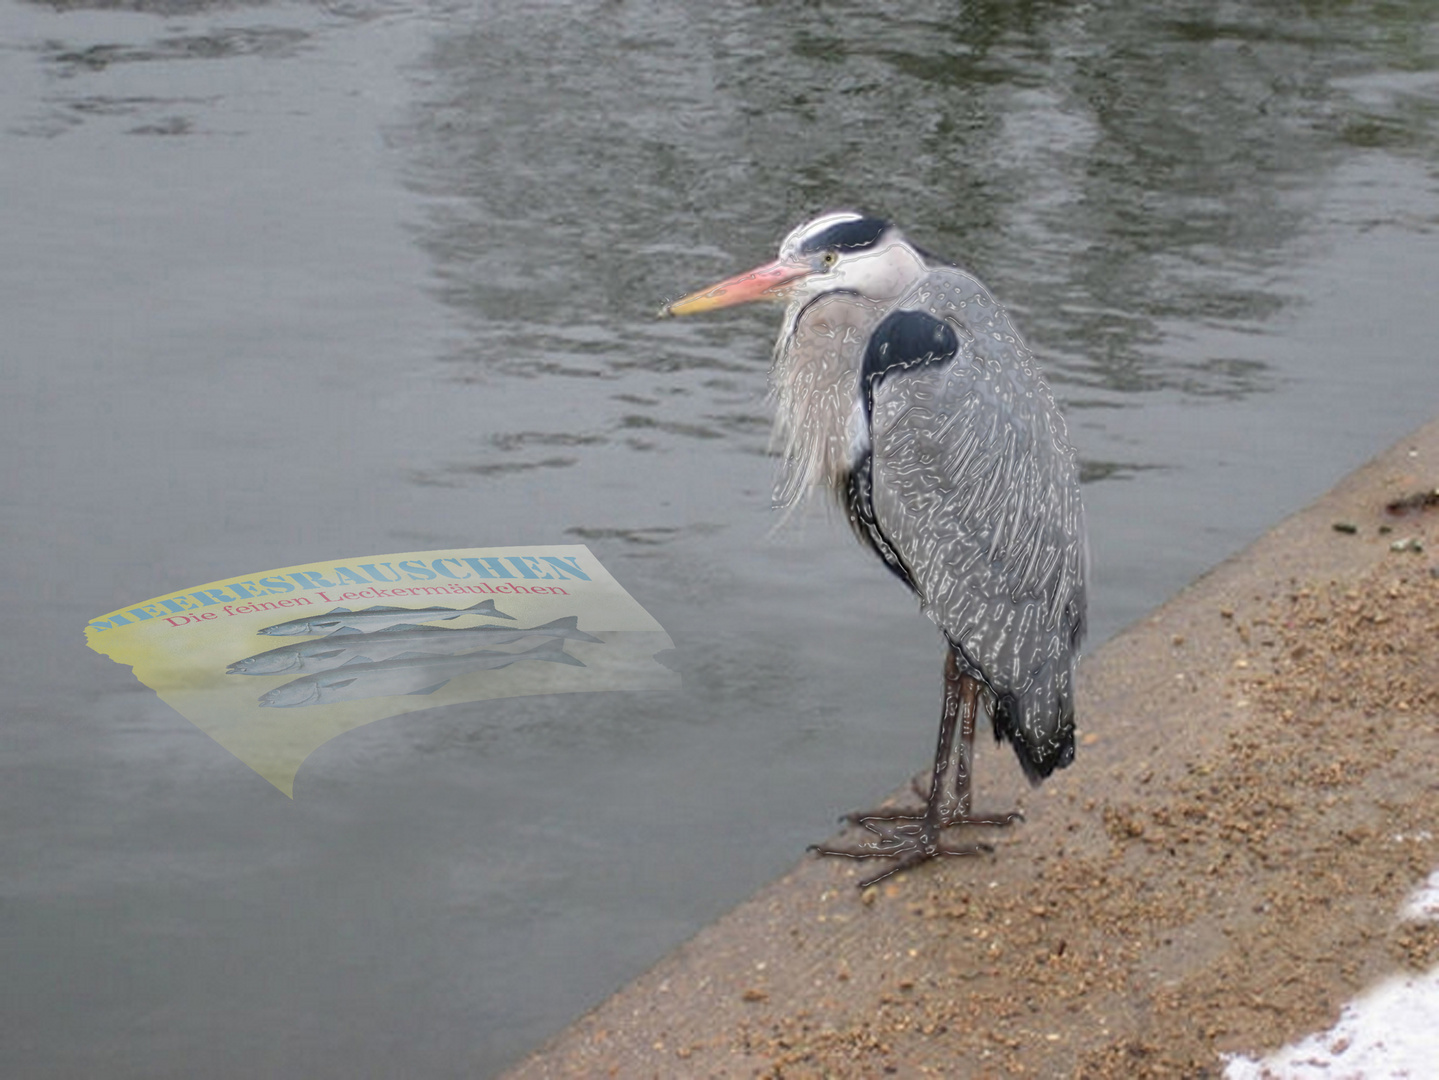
[{"x": 274, "y": 665}]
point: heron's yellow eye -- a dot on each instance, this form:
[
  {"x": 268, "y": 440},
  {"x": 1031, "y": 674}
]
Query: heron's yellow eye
[{"x": 830, "y": 258}]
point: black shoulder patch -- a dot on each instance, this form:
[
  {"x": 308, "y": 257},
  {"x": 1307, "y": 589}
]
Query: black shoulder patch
[
  {"x": 846, "y": 236},
  {"x": 905, "y": 339}
]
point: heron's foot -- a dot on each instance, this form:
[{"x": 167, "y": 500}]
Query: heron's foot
[
  {"x": 898, "y": 813},
  {"x": 910, "y": 839}
]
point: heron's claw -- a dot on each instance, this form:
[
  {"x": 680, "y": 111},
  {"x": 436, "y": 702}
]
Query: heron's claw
[
  {"x": 905, "y": 853},
  {"x": 911, "y": 838},
  {"x": 885, "y": 813},
  {"x": 998, "y": 820}
]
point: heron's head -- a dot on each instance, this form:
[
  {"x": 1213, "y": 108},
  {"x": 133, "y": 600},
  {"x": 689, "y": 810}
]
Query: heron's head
[{"x": 837, "y": 251}]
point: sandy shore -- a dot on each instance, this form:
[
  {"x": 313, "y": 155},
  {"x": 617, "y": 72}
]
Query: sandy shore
[{"x": 1256, "y": 793}]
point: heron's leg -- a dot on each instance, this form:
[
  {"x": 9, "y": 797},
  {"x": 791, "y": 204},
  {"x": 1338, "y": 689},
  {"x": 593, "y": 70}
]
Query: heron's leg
[
  {"x": 911, "y": 838},
  {"x": 951, "y": 795}
]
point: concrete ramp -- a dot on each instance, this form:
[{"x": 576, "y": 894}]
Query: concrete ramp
[{"x": 1256, "y": 794}]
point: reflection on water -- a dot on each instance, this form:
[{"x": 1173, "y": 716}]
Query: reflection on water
[
  {"x": 392, "y": 275},
  {"x": 1112, "y": 170},
  {"x": 248, "y": 41}
]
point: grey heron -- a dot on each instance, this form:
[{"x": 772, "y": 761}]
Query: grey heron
[{"x": 903, "y": 388}]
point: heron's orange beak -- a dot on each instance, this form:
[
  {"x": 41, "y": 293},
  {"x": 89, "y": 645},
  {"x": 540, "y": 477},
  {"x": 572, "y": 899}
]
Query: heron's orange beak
[{"x": 766, "y": 282}]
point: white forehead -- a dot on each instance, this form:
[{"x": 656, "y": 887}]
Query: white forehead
[{"x": 810, "y": 229}]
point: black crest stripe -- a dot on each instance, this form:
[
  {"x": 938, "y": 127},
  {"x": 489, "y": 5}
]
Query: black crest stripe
[{"x": 849, "y": 235}]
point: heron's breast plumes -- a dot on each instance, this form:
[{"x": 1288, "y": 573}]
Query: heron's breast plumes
[{"x": 820, "y": 427}]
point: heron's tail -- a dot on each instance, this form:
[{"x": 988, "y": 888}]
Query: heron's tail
[{"x": 1038, "y": 721}]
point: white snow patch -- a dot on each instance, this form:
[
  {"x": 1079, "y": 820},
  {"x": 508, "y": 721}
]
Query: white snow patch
[
  {"x": 1390, "y": 1032},
  {"x": 1423, "y": 906}
]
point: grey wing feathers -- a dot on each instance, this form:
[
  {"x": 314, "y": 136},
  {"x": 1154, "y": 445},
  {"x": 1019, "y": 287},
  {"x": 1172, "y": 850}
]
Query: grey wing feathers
[{"x": 976, "y": 487}]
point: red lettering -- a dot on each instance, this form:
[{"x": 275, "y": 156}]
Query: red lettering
[{"x": 181, "y": 620}]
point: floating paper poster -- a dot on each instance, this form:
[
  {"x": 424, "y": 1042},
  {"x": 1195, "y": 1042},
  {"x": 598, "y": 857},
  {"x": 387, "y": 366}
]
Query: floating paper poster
[{"x": 274, "y": 665}]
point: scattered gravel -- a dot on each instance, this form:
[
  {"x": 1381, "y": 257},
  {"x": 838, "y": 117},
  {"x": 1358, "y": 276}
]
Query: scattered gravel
[{"x": 1235, "y": 910}]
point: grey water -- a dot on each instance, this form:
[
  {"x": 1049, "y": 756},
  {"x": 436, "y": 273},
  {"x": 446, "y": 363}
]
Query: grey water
[{"x": 284, "y": 282}]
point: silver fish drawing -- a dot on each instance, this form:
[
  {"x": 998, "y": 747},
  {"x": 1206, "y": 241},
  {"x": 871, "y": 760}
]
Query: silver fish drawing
[
  {"x": 422, "y": 674},
  {"x": 380, "y": 617},
  {"x": 343, "y": 646}
]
